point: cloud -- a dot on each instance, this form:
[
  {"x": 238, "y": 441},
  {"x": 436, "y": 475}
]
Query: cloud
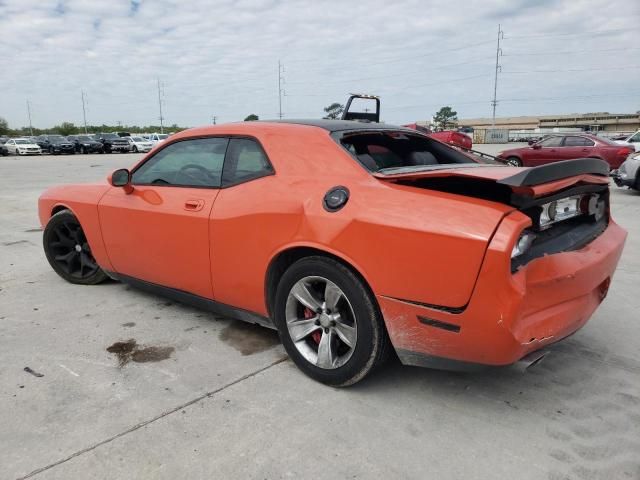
[{"x": 221, "y": 58}]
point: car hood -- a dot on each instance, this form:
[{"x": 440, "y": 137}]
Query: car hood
[{"x": 484, "y": 181}]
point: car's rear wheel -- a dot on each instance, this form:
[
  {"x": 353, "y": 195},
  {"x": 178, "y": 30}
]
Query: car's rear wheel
[
  {"x": 329, "y": 322},
  {"x": 135, "y": 149},
  {"x": 68, "y": 251},
  {"x": 514, "y": 161}
]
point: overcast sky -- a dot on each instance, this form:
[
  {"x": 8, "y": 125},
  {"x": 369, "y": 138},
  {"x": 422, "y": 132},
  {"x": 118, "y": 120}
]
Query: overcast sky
[{"x": 221, "y": 58}]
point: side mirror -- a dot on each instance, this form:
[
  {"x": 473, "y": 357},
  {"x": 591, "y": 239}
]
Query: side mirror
[
  {"x": 536, "y": 146},
  {"x": 121, "y": 178}
]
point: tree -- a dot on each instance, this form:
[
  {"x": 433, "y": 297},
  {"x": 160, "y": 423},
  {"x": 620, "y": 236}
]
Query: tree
[
  {"x": 334, "y": 111},
  {"x": 446, "y": 117},
  {"x": 4, "y": 126},
  {"x": 251, "y": 118},
  {"x": 66, "y": 128}
]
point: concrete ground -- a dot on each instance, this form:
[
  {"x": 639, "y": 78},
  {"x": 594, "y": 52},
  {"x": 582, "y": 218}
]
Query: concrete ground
[{"x": 215, "y": 398}]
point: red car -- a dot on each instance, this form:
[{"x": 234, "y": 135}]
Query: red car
[
  {"x": 451, "y": 137},
  {"x": 567, "y": 147}
]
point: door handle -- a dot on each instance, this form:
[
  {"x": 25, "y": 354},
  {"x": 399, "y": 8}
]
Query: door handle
[{"x": 193, "y": 205}]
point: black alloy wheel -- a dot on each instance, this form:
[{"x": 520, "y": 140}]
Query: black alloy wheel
[{"x": 68, "y": 251}]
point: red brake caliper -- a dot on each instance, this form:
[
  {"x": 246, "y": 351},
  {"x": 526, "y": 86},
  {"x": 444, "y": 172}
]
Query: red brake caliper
[{"x": 308, "y": 313}]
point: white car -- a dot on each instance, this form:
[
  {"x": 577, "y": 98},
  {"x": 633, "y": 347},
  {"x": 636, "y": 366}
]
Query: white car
[
  {"x": 632, "y": 141},
  {"x": 23, "y": 146},
  {"x": 139, "y": 144},
  {"x": 156, "y": 138}
]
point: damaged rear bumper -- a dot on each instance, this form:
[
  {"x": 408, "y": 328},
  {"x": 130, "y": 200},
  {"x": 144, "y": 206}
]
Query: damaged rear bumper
[{"x": 509, "y": 315}]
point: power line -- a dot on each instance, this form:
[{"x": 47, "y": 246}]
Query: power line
[
  {"x": 570, "y": 52},
  {"x": 567, "y": 34},
  {"x": 280, "y": 88},
  {"x": 160, "y": 107},
  {"x": 495, "y": 80},
  {"x": 572, "y": 70},
  {"x": 29, "y": 115},
  {"x": 84, "y": 112}
]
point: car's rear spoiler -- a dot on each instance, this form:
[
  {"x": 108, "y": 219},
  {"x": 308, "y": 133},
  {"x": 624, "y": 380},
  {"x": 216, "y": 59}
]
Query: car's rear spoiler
[{"x": 557, "y": 171}]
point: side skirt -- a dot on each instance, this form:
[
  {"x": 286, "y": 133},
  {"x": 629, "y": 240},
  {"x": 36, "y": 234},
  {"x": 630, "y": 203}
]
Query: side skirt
[{"x": 195, "y": 300}]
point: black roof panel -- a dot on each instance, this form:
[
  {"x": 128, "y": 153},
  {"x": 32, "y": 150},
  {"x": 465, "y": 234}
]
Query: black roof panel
[{"x": 341, "y": 125}]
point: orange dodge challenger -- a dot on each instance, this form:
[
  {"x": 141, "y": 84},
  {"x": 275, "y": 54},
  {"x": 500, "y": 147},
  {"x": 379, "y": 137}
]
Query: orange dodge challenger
[{"x": 351, "y": 239}]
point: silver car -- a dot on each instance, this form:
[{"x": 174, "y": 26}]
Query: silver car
[{"x": 628, "y": 175}]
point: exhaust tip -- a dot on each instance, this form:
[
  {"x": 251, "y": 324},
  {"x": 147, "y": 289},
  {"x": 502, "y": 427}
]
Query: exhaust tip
[{"x": 530, "y": 360}]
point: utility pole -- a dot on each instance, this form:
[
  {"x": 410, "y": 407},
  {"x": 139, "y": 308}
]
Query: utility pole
[
  {"x": 160, "y": 107},
  {"x": 29, "y": 115},
  {"x": 280, "y": 87},
  {"x": 84, "y": 113},
  {"x": 495, "y": 80},
  {"x": 213, "y": 119}
]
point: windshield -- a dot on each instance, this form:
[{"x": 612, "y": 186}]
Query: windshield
[
  {"x": 163, "y": 136},
  {"x": 388, "y": 151},
  {"x": 56, "y": 139},
  {"x": 22, "y": 141},
  {"x": 110, "y": 136},
  {"x": 136, "y": 139}
]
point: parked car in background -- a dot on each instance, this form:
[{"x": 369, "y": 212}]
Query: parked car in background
[
  {"x": 554, "y": 148},
  {"x": 628, "y": 175},
  {"x": 156, "y": 138},
  {"x": 452, "y": 137},
  {"x": 22, "y": 146},
  {"x": 631, "y": 141},
  {"x": 55, "y": 144},
  {"x": 4, "y": 151},
  {"x": 85, "y": 144},
  {"x": 139, "y": 144},
  {"x": 113, "y": 143}
]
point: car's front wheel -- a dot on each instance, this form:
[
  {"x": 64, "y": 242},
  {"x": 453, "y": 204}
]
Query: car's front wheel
[
  {"x": 135, "y": 149},
  {"x": 329, "y": 322},
  {"x": 514, "y": 162},
  {"x": 68, "y": 251}
]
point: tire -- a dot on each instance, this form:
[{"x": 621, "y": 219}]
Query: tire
[
  {"x": 134, "y": 149},
  {"x": 83, "y": 150},
  {"x": 62, "y": 238},
  {"x": 514, "y": 161},
  {"x": 355, "y": 319}
]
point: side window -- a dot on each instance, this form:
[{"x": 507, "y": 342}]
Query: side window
[
  {"x": 551, "y": 142},
  {"x": 635, "y": 138},
  {"x": 245, "y": 161},
  {"x": 577, "y": 142},
  {"x": 189, "y": 163}
]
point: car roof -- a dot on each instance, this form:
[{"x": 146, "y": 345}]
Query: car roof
[{"x": 339, "y": 125}]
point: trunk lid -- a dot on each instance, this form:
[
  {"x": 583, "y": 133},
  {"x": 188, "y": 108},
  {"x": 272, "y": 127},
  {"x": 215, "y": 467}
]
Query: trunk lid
[{"x": 499, "y": 183}]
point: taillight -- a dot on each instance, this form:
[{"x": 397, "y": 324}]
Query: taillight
[{"x": 624, "y": 152}]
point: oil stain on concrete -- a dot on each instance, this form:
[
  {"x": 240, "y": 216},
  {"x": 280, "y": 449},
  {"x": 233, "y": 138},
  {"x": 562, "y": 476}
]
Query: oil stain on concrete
[
  {"x": 130, "y": 351},
  {"x": 248, "y": 338}
]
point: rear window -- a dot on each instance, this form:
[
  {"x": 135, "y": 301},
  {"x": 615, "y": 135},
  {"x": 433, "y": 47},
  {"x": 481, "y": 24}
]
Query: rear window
[{"x": 387, "y": 151}]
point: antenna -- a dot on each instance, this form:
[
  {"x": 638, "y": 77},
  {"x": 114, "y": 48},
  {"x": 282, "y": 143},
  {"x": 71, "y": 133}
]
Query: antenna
[{"x": 495, "y": 80}]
